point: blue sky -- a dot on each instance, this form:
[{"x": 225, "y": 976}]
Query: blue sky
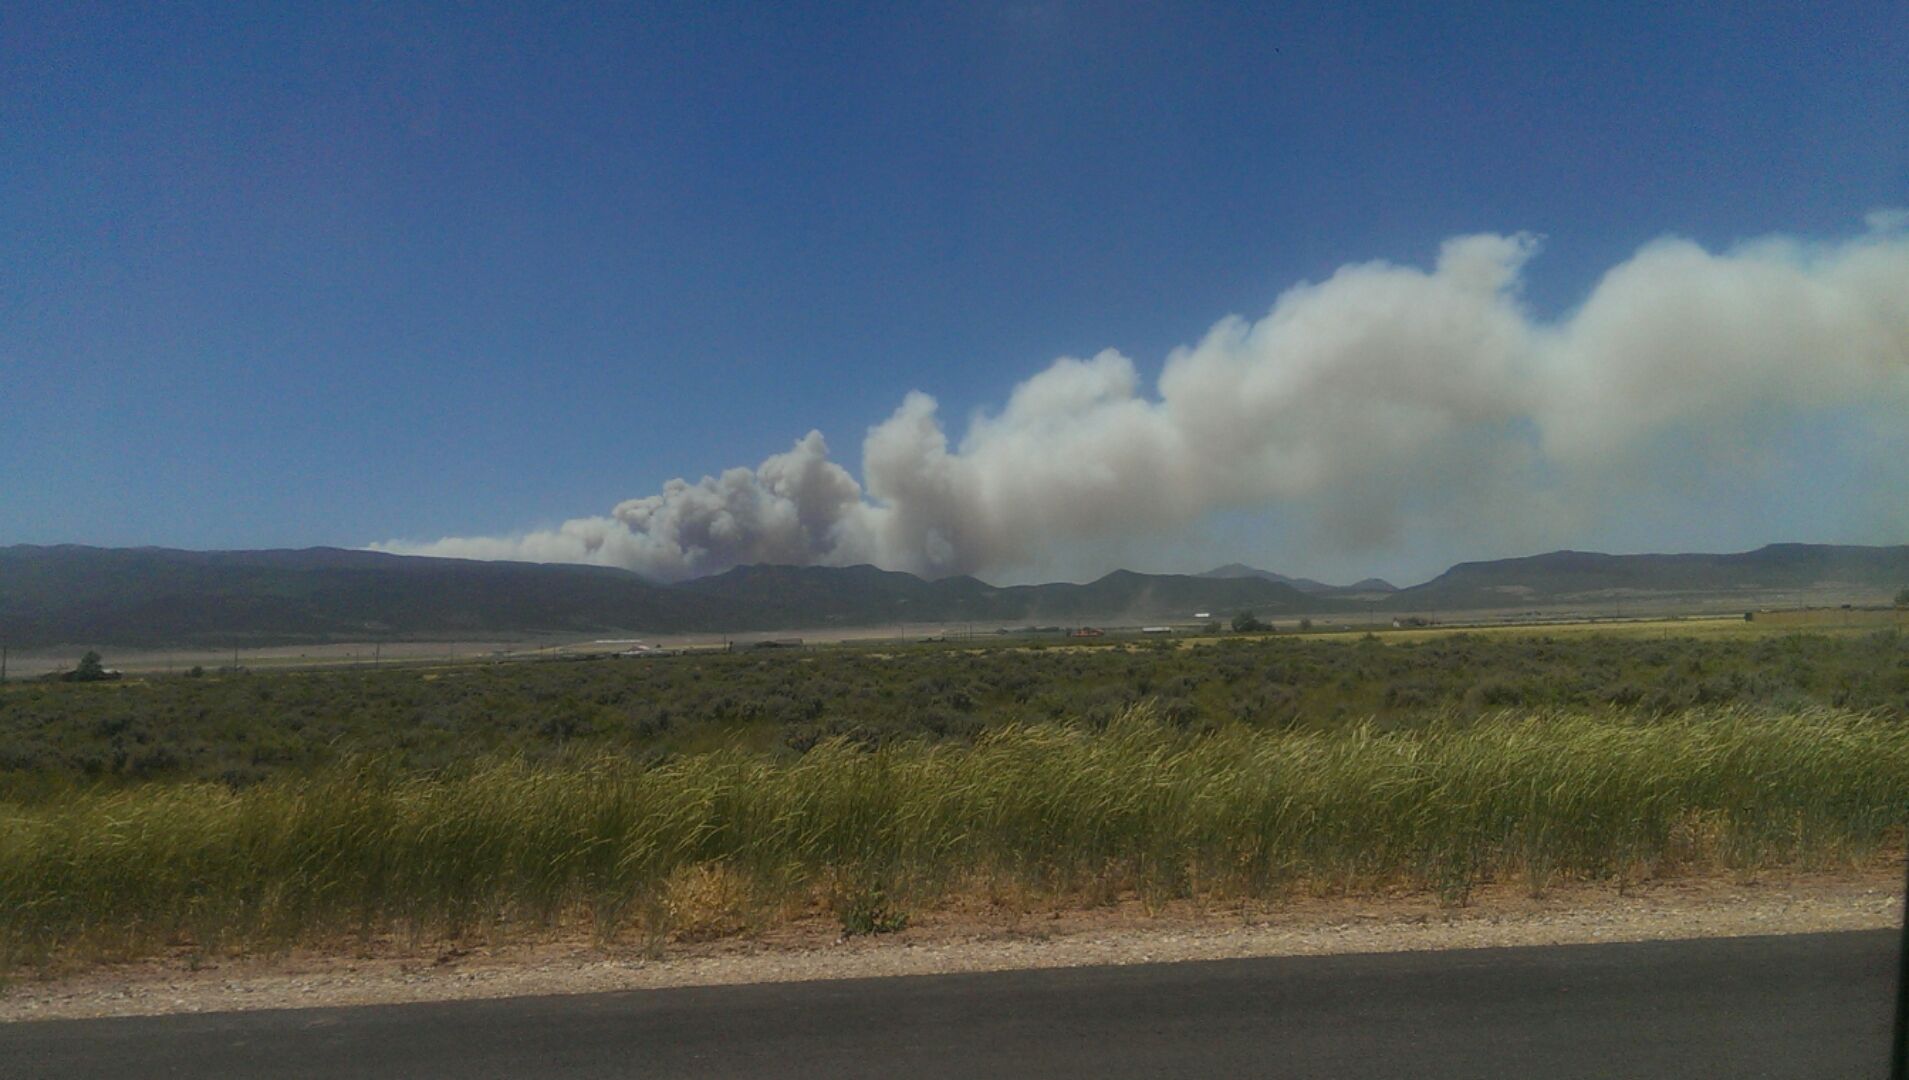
[{"x": 332, "y": 274}]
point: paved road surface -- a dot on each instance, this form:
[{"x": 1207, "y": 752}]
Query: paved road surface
[{"x": 1802, "y": 1006}]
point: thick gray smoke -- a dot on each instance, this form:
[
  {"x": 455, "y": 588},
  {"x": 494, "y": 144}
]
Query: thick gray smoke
[{"x": 1383, "y": 397}]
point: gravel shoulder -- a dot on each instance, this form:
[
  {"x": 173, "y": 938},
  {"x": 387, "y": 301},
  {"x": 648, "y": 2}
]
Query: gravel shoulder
[{"x": 982, "y": 940}]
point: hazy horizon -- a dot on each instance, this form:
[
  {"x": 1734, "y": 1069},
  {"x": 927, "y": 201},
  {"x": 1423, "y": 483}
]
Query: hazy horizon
[{"x": 1190, "y": 570}]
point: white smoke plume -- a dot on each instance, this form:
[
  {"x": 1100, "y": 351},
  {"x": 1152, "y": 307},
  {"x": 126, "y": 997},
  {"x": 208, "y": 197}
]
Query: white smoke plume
[{"x": 1382, "y": 397}]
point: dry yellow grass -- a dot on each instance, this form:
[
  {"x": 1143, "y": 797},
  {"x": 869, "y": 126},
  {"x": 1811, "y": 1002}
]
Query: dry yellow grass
[{"x": 702, "y": 842}]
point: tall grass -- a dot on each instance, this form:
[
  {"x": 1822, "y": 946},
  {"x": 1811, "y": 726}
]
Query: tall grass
[{"x": 1058, "y": 810}]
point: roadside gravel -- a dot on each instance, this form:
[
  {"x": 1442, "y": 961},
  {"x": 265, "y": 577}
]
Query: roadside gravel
[{"x": 973, "y": 941}]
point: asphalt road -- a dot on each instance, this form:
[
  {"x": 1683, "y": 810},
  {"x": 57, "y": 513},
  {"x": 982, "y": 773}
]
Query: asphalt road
[{"x": 1800, "y": 1006}]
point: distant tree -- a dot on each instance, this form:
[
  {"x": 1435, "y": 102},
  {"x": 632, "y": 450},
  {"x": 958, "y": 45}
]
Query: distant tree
[
  {"x": 1305, "y": 626},
  {"x": 1246, "y": 622},
  {"x": 1902, "y": 598},
  {"x": 90, "y": 669}
]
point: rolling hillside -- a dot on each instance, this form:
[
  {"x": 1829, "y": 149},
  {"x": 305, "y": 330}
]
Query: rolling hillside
[
  {"x": 69, "y": 594},
  {"x": 1575, "y": 576},
  {"x": 866, "y": 596},
  {"x": 1364, "y": 589},
  {"x": 156, "y": 596}
]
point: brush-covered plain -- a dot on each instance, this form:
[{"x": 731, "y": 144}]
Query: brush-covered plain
[
  {"x": 692, "y": 796},
  {"x": 239, "y": 729}
]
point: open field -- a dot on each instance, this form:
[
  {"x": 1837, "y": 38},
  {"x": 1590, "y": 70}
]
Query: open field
[
  {"x": 1677, "y": 620},
  {"x": 681, "y": 797},
  {"x": 241, "y": 728},
  {"x": 716, "y": 843}
]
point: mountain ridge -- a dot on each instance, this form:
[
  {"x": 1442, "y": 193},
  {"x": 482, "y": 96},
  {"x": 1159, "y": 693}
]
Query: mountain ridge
[
  {"x": 1305, "y": 585},
  {"x": 1588, "y": 575},
  {"x": 68, "y": 594}
]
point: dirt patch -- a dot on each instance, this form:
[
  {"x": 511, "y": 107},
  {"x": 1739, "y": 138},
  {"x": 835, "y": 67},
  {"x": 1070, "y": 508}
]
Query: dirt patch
[{"x": 985, "y": 939}]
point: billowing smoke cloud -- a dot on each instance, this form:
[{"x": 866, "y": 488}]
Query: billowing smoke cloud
[{"x": 1384, "y": 396}]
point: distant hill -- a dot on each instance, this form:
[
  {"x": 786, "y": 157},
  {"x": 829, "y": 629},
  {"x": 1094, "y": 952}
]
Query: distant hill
[
  {"x": 1124, "y": 592},
  {"x": 72, "y": 595},
  {"x": 1578, "y": 576},
  {"x": 160, "y": 596},
  {"x": 1235, "y": 570},
  {"x": 1304, "y": 585},
  {"x": 779, "y": 596}
]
